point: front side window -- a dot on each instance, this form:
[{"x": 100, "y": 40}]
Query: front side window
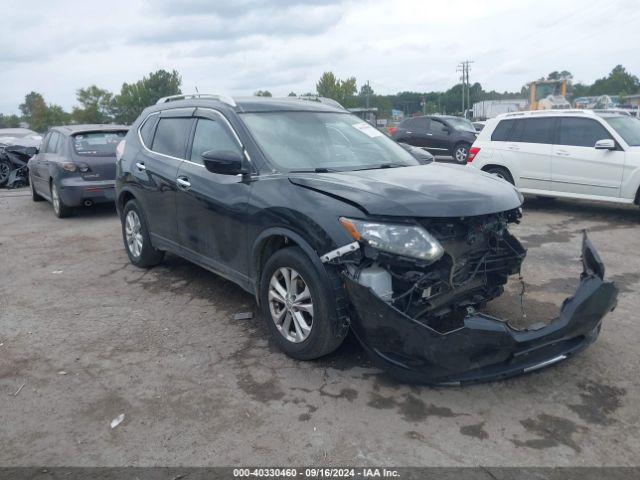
[
  {"x": 461, "y": 124},
  {"x": 581, "y": 132},
  {"x": 98, "y": 144},
  {"x": 211, "y": 135},
  {"x": 147, "y": 129},
  {"x": 437, "y": 128},
  {"x": 627, "y": 127},
  {"x": 323, "y": 140},
  {"x": 171, "y": 136}
]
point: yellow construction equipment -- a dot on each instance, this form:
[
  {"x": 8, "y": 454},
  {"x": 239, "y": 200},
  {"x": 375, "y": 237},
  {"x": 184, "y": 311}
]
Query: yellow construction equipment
[{"x": 543, "y": 89}]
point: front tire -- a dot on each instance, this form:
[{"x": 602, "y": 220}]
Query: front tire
[
  {"x": 5, "y": 170},
  {"x": 461, "y": 152},
  {"x": 135, "y": 235},
  {"x": 59, "y": 208},
  {"x": 301, "y": 305}
]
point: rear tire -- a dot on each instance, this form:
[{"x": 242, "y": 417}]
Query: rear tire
[
  {"x": 460, "y": 152},
  {"x": 135, "y": 235},
  {"x": 316, "y": 328},
  {"x": 500, "y": 172},
  {"x": 34, "y": 195},
  {"x": 59, "y": 208}
]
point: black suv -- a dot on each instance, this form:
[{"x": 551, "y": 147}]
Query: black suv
[
  {"x": 333, "y": 226},
  {"x": 438, "y": 134}
]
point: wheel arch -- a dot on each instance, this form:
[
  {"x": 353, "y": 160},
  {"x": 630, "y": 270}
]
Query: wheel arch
[
  {"x": 123, "y": 197},
  {"x": 270, "y": 241},
  {"x": 498, "y": 165}
]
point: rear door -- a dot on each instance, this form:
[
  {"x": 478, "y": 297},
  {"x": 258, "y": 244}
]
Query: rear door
[
  {"x": 156, "y": 170},
  {"x": 414, "y": 131},
  {"x": 212, "y": 208},
  {"x": 578, "y": 167},
  {"x": 36, "y": 165},
  {"x": 528, "y": 148}
]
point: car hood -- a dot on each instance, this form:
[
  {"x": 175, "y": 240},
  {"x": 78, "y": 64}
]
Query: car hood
[{"x": 433, "y": 190}]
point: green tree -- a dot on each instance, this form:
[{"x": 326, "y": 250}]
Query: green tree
[
  {"x": 34, "y": 111},
  {"x": 56, "y": 116},
  {"x": 342, "y": 91},
  {"x": 263, "y": 93},
  {"x": 135, "y": 97},
  {"x": 292, "y": 94},
  {"x": 96, "y": 105},
  {"x": 9, "y": 121},
  {"x": 618, "y": 81}
]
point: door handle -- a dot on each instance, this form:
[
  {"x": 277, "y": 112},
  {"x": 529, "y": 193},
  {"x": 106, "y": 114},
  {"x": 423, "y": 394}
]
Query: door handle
[
  {"x": 513, "y": 147},
  {"x": 140, "y": 166},
  {"x": 430, "y": 134},
  {"x": 183, "y": 183},
  {"x": 408, "y": 132},
  {"x": 562, "y": 153}
]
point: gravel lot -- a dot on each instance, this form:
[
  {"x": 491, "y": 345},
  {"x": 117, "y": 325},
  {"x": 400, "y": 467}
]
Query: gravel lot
[{"x": 90, "y": 337}]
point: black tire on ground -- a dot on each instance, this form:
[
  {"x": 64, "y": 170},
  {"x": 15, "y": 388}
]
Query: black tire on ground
[
  {"x": 148, "y": 255},
  {"x": 329, "y": 305},
  {"x": 34, "y": 195},
  {"x": 5, "y": 169},
  {"x": 460, "y": 152},
  {"x": 500, "y": 172},
  {"x": 59, "y": 208}
]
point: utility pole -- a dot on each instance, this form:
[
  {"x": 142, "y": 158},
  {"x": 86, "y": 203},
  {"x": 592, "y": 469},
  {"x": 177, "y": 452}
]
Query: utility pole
[
  {"x": 464, "y": 67},
  {"x": 367, "y": 94}
]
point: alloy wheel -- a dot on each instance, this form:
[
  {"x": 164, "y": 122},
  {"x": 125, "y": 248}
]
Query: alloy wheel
[
  {"x": 461, "y": 154},
  {"x": 133, "y": 233},
  {"x": 290, "y": 304},
  {"x": 55, "y": 198}
]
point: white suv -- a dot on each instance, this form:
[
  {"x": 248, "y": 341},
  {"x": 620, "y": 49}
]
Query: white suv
[{"x": 563, "y": 153}]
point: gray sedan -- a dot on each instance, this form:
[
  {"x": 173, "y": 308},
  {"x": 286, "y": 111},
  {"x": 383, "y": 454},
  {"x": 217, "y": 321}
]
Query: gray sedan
[{"x": 76, "y": 166}]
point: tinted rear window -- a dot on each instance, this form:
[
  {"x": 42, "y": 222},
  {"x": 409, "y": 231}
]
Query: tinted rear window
[
  {"x": 534, "y": 130},
  {"x": 171, "y": 136},
  {"x": 98, "y": 144},
  {"x": 501, "y": 132},
  {"x": 147, "y": 129}
]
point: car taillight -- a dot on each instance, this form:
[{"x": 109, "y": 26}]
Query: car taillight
[
  {"x": 120, "y": 150},
  {"x": 473, "y": 151},
  {"x": 392, "y": 130}
]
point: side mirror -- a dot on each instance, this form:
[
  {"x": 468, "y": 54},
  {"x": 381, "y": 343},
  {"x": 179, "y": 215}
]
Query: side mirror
[
  {"x": 224, "y": 162},
  {"x": 606, "y": 144},
  {"x": 31, "y": 151},
  {"x": 422, "y": 156}
]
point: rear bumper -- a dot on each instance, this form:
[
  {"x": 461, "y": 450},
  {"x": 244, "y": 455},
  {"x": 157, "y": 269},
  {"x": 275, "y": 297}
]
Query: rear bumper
[
  {"x": 75, "y": 192},
  {"x": 485, "y": 348}
]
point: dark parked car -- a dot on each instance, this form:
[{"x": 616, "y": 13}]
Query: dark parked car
[
  {"x": 76, "y": 166},
  {"x": 438, "y": 134},
  {"x": 333, "y": 226}
]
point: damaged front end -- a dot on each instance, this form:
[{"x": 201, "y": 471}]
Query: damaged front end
[{"x": 419, "y": 319}]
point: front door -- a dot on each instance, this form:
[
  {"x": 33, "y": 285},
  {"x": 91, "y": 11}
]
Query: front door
[
  {"x": 577, "y": 167},
  {"x": 211, "y": 207},
  {"x": 438, "y": 137}
]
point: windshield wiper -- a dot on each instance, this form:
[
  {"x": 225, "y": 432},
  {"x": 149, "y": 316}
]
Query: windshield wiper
[
  {"x": 382, "y": 165},
  {"x": 314, "y": 170}
]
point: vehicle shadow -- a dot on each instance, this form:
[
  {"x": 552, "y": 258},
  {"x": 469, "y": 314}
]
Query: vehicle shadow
[
  {"x": 585, "y": 210},
  {"x": 99, "y": 210}
]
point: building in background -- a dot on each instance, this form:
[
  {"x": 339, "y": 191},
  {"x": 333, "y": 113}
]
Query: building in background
[{"x": 491, "y": 108}]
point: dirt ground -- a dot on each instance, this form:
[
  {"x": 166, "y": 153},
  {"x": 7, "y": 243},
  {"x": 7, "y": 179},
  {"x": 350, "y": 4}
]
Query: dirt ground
[{"x": 85, "y": 336}]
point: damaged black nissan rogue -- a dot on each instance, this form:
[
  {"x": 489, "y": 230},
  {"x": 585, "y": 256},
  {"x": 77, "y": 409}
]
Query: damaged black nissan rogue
[{"x": 333, "y": 226}]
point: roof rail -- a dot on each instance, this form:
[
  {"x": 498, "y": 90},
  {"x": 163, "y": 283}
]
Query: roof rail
[
  {"x": 550, "y": 111},
  {"x": 183, "y": 96},
  {"x": 325, "y": 100}
]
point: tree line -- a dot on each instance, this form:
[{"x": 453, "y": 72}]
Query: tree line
[{"x": 97, "y": 105}]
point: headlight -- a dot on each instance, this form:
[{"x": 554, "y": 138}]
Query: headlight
[{"x": 406, "y": 240}]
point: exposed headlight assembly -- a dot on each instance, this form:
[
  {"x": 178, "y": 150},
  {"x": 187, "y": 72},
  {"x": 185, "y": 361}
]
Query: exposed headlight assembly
[{"x": 402, "y": 239}]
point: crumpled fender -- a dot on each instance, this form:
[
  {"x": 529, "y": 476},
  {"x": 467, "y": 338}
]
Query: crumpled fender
[{"x": 485, "y": 348}]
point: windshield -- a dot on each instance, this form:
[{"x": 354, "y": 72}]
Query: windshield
[
  {"x": 627, "y": 127},
  {"x": 317, "y": 140},
  {"x": 461, "y": 124},
  {"x": 98, "y": 144}
]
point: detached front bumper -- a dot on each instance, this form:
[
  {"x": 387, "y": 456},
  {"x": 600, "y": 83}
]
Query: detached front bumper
[{"x": 485, "y": 348}]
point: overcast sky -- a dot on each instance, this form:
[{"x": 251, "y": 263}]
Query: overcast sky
[{"x": 240, "y": 46}]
